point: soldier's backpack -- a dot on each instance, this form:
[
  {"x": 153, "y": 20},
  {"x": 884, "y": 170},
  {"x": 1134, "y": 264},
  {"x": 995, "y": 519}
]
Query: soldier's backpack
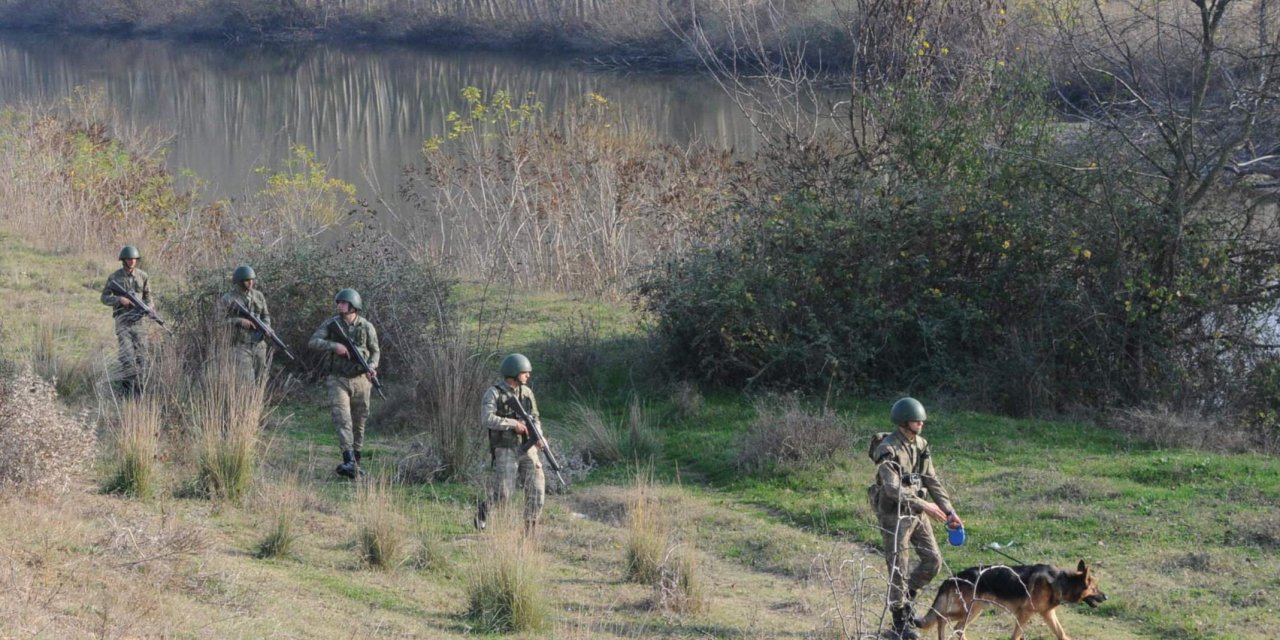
[
  {"x": 873, "y": 491},
  {"x": 876, "y": 439}
]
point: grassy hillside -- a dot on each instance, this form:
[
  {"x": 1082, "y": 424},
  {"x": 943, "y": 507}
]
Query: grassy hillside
[{"x": 1185, "y": 541}]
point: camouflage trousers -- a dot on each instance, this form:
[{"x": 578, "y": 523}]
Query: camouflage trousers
[
  {"x": 251, "y": 359},
  {"x": 131, "y": 334},
  {"x": 349, "y": 407},
  {"x": 508, "y": 466},
  {"x": 898, "y": 532}
]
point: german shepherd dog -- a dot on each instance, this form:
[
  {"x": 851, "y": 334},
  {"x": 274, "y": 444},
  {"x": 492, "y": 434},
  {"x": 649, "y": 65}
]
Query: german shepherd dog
[{"x": 1022, "y": 590}]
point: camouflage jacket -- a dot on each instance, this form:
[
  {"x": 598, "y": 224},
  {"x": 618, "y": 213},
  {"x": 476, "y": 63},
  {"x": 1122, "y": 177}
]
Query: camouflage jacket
[
  {"x": 254, "y": 301},
  {"x": 137, "y": 282},
  {"x": 361, "y": 333},
  {"x": 499, "y": 415},
  {"x": 905, "y": 475}
]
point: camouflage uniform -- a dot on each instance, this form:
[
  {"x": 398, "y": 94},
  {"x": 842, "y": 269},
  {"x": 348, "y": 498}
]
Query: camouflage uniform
[
  {"x": 131, "y": 332},
  {"x": 904, "y": 477},
  {"x": 349, "y": 388},
  {"x": 498, "y": 415},
  {"x": 249, "y": 345}
]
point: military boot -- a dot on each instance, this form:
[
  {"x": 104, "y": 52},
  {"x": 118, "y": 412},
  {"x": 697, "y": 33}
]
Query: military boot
[
  {"x": 904, "y": 624},
  {"x": 348, "y": 467},
  {"x": 482, "y": 514},
  {"x": 359, "y": 470}
]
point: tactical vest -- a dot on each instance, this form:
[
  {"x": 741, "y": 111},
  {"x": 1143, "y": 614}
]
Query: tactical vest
[{"x": 506, "y": 408}]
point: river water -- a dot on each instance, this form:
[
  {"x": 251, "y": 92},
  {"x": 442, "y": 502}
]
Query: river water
[{"x": 364, "y": 110}]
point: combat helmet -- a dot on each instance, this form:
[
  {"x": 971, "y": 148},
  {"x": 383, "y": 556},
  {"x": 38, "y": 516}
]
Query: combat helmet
[
  {"x": 514, "y": 365},
  {"x": 242, "y": 273},
  {"x": 129, "y": 251},
  {"x": 907, "y": 410},
  {"x": 351, "y": 297}
]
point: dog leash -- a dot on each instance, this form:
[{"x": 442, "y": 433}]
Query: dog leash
[{"x": 995, "y": 546}]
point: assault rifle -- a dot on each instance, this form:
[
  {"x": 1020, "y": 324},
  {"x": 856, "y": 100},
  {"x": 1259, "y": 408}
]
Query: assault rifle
[
  {"x": 354, "y": 353},
  {"x": 535, "y": 436},
  {"x": 138, "y": 304},
  {"x": 262, "y": 327}
]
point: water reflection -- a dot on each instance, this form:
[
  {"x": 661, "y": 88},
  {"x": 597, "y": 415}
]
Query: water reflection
[{"x": 365, "y": 110}]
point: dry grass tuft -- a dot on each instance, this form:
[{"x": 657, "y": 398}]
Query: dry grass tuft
[
  {"x": 682, "y": 588},
  {"x": 44, "y": 448},
  {"x": 136, "y": 441},
  {"x": 785, "y": 436},
  {"x": 383, "y": 538},
  {"x": 228, "y": 410},
  {"x": 602, "y": 443},
  {"x": 1166, "y": 427},
  {"x": 283, "y": 500},
  {"x": 648, "y": 530},
  {"x": 506, "y": 590},
  {"x": 451, "y": 380}
]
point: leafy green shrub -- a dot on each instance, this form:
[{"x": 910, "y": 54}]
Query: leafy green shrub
[{"x": 979, "y": 251}]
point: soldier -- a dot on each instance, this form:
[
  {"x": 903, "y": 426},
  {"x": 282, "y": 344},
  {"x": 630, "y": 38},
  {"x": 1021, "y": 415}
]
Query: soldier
[
  {"x": 904, "y": 477},
  {"x": 131, "y": 334},
  {"x": 507, "y": 433},
  {"x": 349, "y": 385},
  {"x": 248, "y": 343}
]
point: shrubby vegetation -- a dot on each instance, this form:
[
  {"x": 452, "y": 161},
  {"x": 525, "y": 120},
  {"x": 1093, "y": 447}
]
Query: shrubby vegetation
[
  {"x": 44, "y": 446},
  {"x": 941, "y": 243}
]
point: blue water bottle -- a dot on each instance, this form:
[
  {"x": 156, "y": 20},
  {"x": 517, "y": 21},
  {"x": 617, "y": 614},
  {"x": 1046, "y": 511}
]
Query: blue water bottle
[{"x": 955, "y": 536}]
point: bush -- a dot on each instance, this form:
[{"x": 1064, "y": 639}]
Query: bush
[
  {"x": 978, "y": 253},
  {"x": 44, "y": 448},
  {"x": 785, "y": 436},
  {"x": 408, "y": 302}
]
